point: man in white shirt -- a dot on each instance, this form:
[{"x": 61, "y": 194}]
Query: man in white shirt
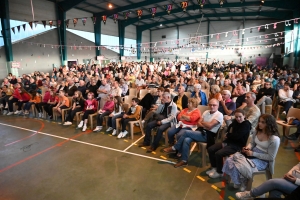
[
  {"x": 103, "y": 90},
  {"x": 208, "y": 124},
  {"x": 124, "y": 87},
  {"x": 286, "y": 98},
  {"x": 116, "y": 90}
]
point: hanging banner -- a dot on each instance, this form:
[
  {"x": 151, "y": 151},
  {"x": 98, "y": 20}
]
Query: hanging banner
[
  {"x": 18, "y": 27},
  {"x": 104, "y": 19},
  {"x": 30, "y": 24},
  {"x": 139, "y": 13},
  {"x": 75, "y": 20},
  {"x": 184, "y": 5},
  {"x": 115, "y": 17},
  {"x": 44, "y": 23},
  {"x": 83, "y": 21},
  {"x": 126, "y": 14},
  {"x": 94, "y": 20},
  {"x": 24, "y": 26},
  {"x": 58, "y": 23},
  {"x": 50, "y": 23},
  {"x": 13, "y": 29},
  {"x": 168, "y": 8},
  {"x": 35, "y": 23},
  {"x": 153, "y": 11}
]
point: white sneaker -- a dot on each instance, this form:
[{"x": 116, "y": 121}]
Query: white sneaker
[
  {"x": 21, "y": 112},
  {"x": 124, "y": 134},
  {"x": 4, "y": 112},
  {"x": 114, "y": 132},
  {"x": 1, "y": 106},
  {"x": 67, "y": 123},
  {"x": 80, "y": 124},
  {"x": 17, "y": 112},
  {"x": 215, "y": 174},
  {"x": 97, "y": 129},
  {"x": 84, "y": 128},
  {"x": 284, "y": 113},
  {"x": 10, "y": 113},
  {"x": 243, "y": 195},
  {"x": 120, "y": 135},
  {"x": 210, "y": 171},
  {"x": 40, "y": 115},
  {"x": 243, "y": 187},
  {"x": 109, "y": 129},
  {"x": 137, "y": 124},
  {"x": 236, "y": 186}
]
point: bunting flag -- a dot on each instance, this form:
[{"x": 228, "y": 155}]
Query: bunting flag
[
  {"x": 104, "y": 19},
  {"x": 168, "y": 8},
  {"x": 19, "y": 27},
  {"x": 50, "y": 23},
  {"x": 67, "y": 23},
  {"x": 75, "y": 20},
  {"x": 115, "y": 17},
  {"x": 24, "y": 26},
  {"x": 153, "y": 11},
  {"x": 44, "y": 23},
  {"x": 201, "y": 3},
  {"x": 94, "y": 20},
  {"x": 13, "y": 29},
  {"x": 139, "y": 13},
  {"x": 126, "y": 14},
  {"x": 30, "y": 24},
  {"x": 184, "y": 5},
  {"x": 35, "y": 23},
  {"x": 83, "y": 21},
  {"x": 58, "y": 23}
]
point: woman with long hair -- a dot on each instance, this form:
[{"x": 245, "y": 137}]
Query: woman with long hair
[
  {"x": 262, "y": 151},
  {"x": 114, "y": 115},
  {"x": 78, "y": 105},
  {"x": 105, "y": 111}
]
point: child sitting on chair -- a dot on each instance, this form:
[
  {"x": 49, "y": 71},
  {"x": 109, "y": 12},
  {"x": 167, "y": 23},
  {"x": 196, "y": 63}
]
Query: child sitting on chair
[
  {"x": 90, "y": 107},
  {"x": 132, "y": 115},
  {"x": 62, "y": 104}
]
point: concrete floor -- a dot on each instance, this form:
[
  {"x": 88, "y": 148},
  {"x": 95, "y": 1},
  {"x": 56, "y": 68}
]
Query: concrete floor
[{"x": 49, "y": 165}]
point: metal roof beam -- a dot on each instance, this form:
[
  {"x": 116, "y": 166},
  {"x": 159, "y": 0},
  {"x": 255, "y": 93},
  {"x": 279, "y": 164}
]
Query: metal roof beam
[
  {"x": 278, "y": 15},
  {"x": 128, "y": 7},
  {"x": 274, "y": 4},
  {"x": 69, "y": 4}
]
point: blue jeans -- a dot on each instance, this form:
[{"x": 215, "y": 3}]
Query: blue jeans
[
  {"x": 175, "y": 131},
  {"x": 183, "y": 144},
  {"x": 27, "y": 106},
  {"x": 276, "y": 187},
  {"x": 160, "y": 130},
  {"x": 112, "y": 120}
]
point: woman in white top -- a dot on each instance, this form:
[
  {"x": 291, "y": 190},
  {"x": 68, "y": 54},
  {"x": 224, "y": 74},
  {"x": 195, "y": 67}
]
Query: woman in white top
[
  {"x": 262, "y": 149},
  {"x": 115, "y": 114}
]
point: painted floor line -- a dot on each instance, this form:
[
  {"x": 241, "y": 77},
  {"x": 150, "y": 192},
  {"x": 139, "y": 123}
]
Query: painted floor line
[
  {"x": 90, "y": 144},
  {"x": 134, "y": 143}
]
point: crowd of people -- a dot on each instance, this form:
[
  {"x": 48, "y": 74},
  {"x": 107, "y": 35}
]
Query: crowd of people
[{"x": 235, "y": 95}]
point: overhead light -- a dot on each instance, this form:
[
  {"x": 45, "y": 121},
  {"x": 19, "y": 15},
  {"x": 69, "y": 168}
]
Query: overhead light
[
  {"x": 110, "y": 5},
  {"x": 262, "y": 1},
  {"x": 160, "y": 25}
]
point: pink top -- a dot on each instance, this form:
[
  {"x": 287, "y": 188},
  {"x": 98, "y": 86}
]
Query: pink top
[{"x": 108, "y": 106}]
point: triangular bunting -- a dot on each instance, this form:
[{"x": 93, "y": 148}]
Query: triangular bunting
[
  {"x": 35, "y": 23},
  {"x": 24, "y": 26},
  {"x": 13, "y": 29},
  {"x": 67, "y": 23},
  {"x": 83, "y": 21},
  {"x": 44, "y": 23},
  {"x": 18, "y": 27},
  {"x": 50, "y": 23},
  {"x": 30, "y": 24},
  {"x": 75, "y": 20},
  {"x": 58, "y": 23},
  {"x": 94, "y": 20}
]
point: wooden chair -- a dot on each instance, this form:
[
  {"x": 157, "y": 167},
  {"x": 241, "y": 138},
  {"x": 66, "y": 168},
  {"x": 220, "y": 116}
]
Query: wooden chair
[
  {"x": 293, "y": 112},
  {"x": 132, "y": 92},
  {"x": 63, "y": 111},
  {"x": 165, "y": 134},
  {"x": 143, "y": 92},
  {"x": 206, "y": 92},
  {"x": 250, "y": 181},
  {"x": 203, "y": 145},
  {"x": 265, "y": 109},
  {"x": 128, "y": 99},
  {"x": 279, "y": 109},
  {"x": 139, "y": 121},
  {"x": 188, "y": 94},
  {"x": 202, "y": 108}
]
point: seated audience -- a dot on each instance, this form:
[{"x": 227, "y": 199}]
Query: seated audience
[
  {"x": 105, "y": 111},
  {"x": 90, "y": 107},
  {"x": 78, "y": 106}
]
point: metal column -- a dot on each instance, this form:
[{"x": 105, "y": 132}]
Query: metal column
[
  {"x": 121, "y": 30},
  {"x": 151, "y": 49},
  {"x": 138, "y": 42},
  {"x": 4, "y": 14},
  {"x": 97, "y": 33},
  {"x": 177, "y": 28},
  {"x": 61, "y": 15}
]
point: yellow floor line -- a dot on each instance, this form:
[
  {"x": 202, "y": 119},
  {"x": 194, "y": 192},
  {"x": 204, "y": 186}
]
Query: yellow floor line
[
  {"x": 153, "y": 152},
  {"x": 199, "y": 177},
  {"x": 216, "y": 188},
  {"x": 143, "y": 147},
  {"x": 135, "y": 144},
  {"x": 231, "y": 198},
  {"x": 163, "y": 157},
  {"x": 126, "y": 140},
  {"x": 188, "y": 171}
]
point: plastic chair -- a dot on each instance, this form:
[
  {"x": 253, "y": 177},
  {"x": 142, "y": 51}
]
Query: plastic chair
[
  {"x": 143, "y": 93},
  {"x": 132, "y": 92},
  {"x": 128, "y": 99},
  {"x": 250, "y": 181},
  {"x": 202, "y": 108},
  {"x": 66, "y": 109},
  {"x": 188, "y": 94},
  {"x": 293, "y": 112}
]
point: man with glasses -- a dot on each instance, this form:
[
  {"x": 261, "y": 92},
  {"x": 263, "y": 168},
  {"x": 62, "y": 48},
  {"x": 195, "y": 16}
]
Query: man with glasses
[
  {"x": 226, "y": 105},
  {"x": 265, "y": 95},
  {"x": 208, "y": 125}
]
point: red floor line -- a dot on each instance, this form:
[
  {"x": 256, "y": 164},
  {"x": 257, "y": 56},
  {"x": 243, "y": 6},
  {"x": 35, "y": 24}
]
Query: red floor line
[
  {"x": 41, "y": 152},
  {"x": 42, "y": 127}
]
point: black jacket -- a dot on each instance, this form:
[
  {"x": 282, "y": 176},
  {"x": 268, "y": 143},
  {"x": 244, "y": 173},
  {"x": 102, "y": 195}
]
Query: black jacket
[{"x": 184, "y": 101}]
